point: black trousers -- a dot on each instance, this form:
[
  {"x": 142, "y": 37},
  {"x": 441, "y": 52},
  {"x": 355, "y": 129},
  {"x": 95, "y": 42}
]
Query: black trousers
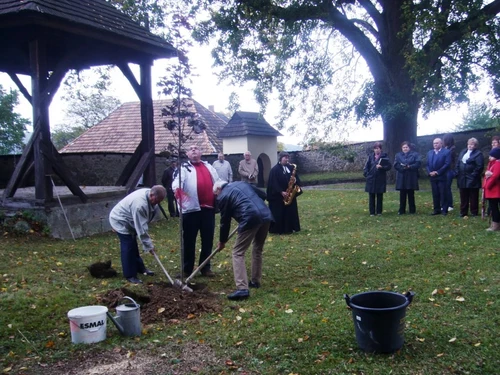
[
  {"x": 439, "y": 198},
  {"x": 410, "y": 194},
  {"x": 202, "y": 221},
  {"x": 495, "y": 212},
  {"x": 172, "y": 203},
  {"x": 371, "y": 203},
  {"x": 469, "y": 197}
]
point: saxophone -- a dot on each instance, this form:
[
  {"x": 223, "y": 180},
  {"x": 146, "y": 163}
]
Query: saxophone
[{"x": 292, "y": 188}]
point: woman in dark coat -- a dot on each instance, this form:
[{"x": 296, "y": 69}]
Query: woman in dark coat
[
  {"x": 470, "y": 165},
  {"x": 407, "y": 163},
  {"x": 286, "y": 218},
  {"x": 375, "y": 171}
]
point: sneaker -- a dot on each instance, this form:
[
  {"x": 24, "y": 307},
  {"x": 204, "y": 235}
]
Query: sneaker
[
  {"x": 255, "y": 285},
  {"x": 450, "y": 208},
  {"x": 239, "y": 295},
  {"x": 134, "y": 280},
  {"x": 208, "y": 273},
  {"x": 148, "y": 272}
]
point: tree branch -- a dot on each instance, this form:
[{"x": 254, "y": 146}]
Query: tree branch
[
  {"x": 366, "y": 25},
  {"x": 440, "y": 42},
  {"x": 372, "y": 12}
]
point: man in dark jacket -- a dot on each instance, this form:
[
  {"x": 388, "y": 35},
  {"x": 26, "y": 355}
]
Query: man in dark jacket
[
  {"x": 245, "y": 203},
  {"x": 438, "y": 164}
]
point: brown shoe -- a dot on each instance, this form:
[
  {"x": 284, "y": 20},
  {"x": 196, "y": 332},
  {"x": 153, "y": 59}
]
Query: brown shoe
[{"x": 208, "y": 273}]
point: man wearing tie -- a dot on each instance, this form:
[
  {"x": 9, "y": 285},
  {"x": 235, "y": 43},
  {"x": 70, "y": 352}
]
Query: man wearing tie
[{"x": 438, "y": 164}]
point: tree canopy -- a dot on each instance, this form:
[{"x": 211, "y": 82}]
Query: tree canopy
[
  {"x": 12, "y": 125},
  {"x": 478, "y": 116},
  {"x": 420, "y": 55}
]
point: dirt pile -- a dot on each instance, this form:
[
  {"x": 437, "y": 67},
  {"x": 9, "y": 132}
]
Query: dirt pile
[{"x": 163, "y": 303}]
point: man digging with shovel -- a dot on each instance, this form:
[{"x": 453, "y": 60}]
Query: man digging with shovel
[
  {"x": 129, "y": 219},
  {"x": 245, "y": 203}
]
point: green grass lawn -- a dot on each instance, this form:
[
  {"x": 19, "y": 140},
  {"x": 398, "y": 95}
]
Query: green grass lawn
[{"x": 298, "y": 322}]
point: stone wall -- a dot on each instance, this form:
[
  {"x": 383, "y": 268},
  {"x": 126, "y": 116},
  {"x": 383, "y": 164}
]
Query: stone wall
[{"x": 98, "y": 169}]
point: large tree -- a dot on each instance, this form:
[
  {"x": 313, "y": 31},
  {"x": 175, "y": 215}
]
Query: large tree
[
  {"x": 421, "y": 54},
  {"x": 12, "y": 125}
]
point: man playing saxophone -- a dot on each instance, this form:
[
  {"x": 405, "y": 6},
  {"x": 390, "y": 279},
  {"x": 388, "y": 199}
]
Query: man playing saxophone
[{"x": 283, "y": 187}]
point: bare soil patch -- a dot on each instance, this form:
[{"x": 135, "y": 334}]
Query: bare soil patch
[{"x": 163, "y": 303}]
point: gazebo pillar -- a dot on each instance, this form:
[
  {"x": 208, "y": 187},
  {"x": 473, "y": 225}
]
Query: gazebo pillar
[
  {"x": 41, "y": 123},
  {"x": 147, "y": 124}
]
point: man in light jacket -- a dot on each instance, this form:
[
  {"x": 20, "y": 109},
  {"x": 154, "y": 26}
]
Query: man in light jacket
[
  {"x": 223, "y": 168},
  {"x": 130, "y": 218},
  {"x": 196, "y": 201},
  {"x": 248, "y": 169}
]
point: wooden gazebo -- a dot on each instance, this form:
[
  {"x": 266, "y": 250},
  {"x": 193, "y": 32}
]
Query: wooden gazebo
[{"x": 46, "y": 38}]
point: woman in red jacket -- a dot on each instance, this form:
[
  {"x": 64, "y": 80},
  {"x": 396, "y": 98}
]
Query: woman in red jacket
[{"x": 491, "y": 188}]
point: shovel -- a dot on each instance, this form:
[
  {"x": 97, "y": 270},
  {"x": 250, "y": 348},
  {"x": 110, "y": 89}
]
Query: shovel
[
  {"x": 177, "y": 283},
  {"x": 205, "y": 262}
]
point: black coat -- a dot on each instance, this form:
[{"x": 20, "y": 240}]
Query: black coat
[
  {"x": 407, "y": 166},
  {"x": 286, "y": 218},
  {"x": 376, "y": 178},
  {"x": 469, "y": 174},
  {"x": 243, "y": 202}
]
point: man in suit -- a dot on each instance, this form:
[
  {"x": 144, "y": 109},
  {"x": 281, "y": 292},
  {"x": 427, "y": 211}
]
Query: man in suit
[{"x": 438, "y": 164}]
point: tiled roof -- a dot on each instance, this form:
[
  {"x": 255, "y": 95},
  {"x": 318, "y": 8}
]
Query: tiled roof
[
  {"x": 248, "y": 123},
  {"x": 97, "y": 32},
  {"x": 120, "y": 132}
]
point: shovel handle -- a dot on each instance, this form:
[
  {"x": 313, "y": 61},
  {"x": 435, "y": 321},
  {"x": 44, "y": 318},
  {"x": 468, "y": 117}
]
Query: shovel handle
[
  {"x": 208, "y": 259},
  {"x": 163, "y": 268}
]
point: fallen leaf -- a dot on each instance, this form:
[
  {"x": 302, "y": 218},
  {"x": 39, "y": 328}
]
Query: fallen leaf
[
  {"x": 160, "y": 310},
  {"x": 477, "y": 344},
  {"x": 238, "y": 318},
  {"x": 289, "y": 311},
  {"x": 453, "y": 339},
  {"x": 239, "y": 343},
  {"x": 440, "y": 355},
  {"x": 6, "y": 370},
  {"x": 420, "y": 339},
  {"x": 191, "y": 316},
  {"x": 460, "y": 299},
  {"x": 242, "y": 310}
]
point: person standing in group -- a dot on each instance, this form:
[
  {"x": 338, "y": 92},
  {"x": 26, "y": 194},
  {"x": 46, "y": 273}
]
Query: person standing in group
[
  {"x": 495, "y": 141},
  {"x": 286, "y": 216},
  {"x": 449, "y": 144},
  {"x": 245, "y": 203},
  {"x": 491, "y": 186},
  {"x": 129, "y": 219},
  {"x": 195, "y": 197},
  {"x": 223, "y": 168},
  {"x": 438, "y": 164},
  {"x": 166, "y": 181},
  {"x": 407, "y": 164},
  {"x": 469, "y": 169},
  {"x": 248, "y": 169},
  {"x": 375, "y": 172}
]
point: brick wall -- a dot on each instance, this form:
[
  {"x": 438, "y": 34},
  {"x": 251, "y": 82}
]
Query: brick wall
[{"x": 98, "y": 169}]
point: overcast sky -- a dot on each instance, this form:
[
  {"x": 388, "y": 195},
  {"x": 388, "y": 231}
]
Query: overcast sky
[{"x": 208, "y": 92}]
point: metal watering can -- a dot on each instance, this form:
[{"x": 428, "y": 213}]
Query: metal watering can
[{"x": 128, "y": 318}]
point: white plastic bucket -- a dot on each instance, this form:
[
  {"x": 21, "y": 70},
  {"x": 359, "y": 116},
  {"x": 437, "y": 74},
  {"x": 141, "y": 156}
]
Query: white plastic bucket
[{"x": 87, "y": 324}]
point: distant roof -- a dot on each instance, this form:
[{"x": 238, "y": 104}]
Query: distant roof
[
  {"x": 120, "y": 132},
  {"x": 91, "y": 32},
  {"x": 248, "y": 123}
]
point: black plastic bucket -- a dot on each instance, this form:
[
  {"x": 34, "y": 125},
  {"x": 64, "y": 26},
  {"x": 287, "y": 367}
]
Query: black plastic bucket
[{"x": 379, "y": 320}]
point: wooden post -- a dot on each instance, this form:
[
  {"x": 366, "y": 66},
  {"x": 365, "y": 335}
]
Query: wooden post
[
  {"x": 147, "y": 124},
  {"x": 39, "y": 76}
]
